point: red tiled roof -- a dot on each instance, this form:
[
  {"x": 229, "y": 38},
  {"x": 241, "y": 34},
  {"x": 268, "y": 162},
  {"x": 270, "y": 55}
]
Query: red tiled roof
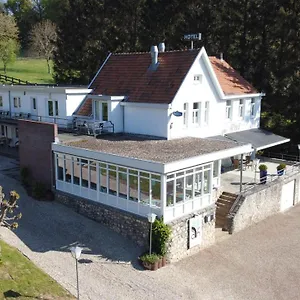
[
  {"x": 231, "y": 82},
  {"x": 129, "y": 75}
]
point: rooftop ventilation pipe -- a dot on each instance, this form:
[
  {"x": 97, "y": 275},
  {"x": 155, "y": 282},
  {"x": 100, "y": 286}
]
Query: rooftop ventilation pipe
[
  {"x": 154, "y": 55},
  {"x": 221, "y": 56},
  {"x": 161, "y": 47}
]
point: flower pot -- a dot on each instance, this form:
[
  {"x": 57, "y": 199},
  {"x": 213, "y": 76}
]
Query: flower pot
[
  {"x": 163, "y": 261},
  {"x": 280, "y": 172},
  {"x": 263, "y": 176},
  {"x": 159, "y": 263},
  {"x": 150, "y": 266}
]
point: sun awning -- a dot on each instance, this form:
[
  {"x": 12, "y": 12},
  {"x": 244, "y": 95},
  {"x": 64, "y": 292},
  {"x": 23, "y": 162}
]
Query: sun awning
[{"x": 259, "y": 138}]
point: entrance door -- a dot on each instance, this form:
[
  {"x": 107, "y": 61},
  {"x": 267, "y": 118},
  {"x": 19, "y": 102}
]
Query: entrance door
[{"x": 287, "y": 196}]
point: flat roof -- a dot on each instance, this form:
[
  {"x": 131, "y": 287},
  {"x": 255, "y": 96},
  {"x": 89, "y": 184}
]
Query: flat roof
[{"x": 147, "y": 148}]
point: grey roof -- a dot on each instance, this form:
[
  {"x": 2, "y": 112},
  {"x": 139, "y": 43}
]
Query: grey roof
[
  {"x": 259, "y": 138},
  {"x": 151, "y": 149}
]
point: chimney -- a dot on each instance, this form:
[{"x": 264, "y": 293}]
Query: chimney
[
  {"x": 154, "y": 55},
  {"x": 221, "y": 56},
  {"x": 161, "y": 47}
]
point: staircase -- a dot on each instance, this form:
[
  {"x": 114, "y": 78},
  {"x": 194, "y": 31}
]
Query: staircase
[{"x": 224, "y": 203}]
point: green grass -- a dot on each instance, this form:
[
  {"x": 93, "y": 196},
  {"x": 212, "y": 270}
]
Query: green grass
[
  {"x": 33, "y": 70},
  {"x": 21, "y": 279}
]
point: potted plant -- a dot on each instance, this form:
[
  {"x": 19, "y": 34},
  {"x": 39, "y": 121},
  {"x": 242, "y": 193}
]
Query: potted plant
[
  {"x": 263, "y": 173},
  {"x": 150, "y": 261},
  {"x": 280, "y": 169}
]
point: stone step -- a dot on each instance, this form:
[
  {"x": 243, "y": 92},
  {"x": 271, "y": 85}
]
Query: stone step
[
  {"x": 222, "y": 202},
  {"x": 229, "y": 194},
  {"x": 227, "y": 198}
]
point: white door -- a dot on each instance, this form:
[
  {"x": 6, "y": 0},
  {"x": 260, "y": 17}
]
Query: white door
[{"x": 287, "y": 195}]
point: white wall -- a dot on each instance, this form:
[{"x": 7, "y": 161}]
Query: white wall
[
  {"x": 145, "y": 120},
  {"x": 72, "y": 103},
  {"x": 191, "y": 91},
  {"x": 116, "y": 115}
]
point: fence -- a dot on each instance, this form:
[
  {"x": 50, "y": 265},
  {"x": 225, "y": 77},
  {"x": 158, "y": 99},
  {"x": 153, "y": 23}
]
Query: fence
[
  {"x": 282, "y": 156},
  {"x": 294, "y": 168}
]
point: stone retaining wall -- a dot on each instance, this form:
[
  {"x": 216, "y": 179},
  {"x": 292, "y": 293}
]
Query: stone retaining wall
[
  {"x": 136, "y": 228},
  {"x": 179, "y": 243},
  {"x": 262, "y": 202},
  {"x": 129, "y": 225}
]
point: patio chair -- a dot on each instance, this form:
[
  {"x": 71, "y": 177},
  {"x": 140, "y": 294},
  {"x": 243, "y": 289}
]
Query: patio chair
[
  {"x": 248, "y": 162},
  {"x": 236, "y": 163}
]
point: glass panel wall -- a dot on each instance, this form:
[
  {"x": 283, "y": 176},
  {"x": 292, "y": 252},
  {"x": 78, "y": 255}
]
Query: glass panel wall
[
  {"x": 188, "y": 184},
  {"x": 134, "y": 185}
]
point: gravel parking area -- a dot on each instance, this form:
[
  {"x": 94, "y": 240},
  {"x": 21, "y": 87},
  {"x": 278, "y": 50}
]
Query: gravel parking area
[{"x": 261, "y": 262}]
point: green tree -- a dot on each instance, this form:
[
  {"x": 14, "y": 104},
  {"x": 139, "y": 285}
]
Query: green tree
[{"x": 8, "y": 39}]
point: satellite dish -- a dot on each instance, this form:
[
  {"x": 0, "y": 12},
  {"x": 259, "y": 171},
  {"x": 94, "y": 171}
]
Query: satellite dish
[{"x": 177, "y": 113}]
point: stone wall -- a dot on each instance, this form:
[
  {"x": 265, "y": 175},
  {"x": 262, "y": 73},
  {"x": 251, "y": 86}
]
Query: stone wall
[
  {"x": 262, "y": 202},
  {"x": 35, "y": 153},
  {"x": 179, "y": 242},
  {"x": 129, "y": 225},
  {"x": 136, "y": 228}
]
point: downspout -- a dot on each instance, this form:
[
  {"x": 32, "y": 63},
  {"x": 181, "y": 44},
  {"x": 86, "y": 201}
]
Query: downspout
[
  {"x": 9, "y": 102},
  {"x": 241, "y": 174}
]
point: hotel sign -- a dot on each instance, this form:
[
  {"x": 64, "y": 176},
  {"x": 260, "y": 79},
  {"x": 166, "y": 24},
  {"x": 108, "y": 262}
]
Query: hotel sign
[{"x": 192, "y": 37}]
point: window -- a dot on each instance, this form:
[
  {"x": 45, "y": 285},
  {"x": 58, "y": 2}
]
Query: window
[
  {"x": 2, "y": 130},
  {"x": 1, "y": 101},
  {"x": 34, "y": 103},
  {"x": 228, "y": 109},
  {"x": 112, "y": 180},
  {"x": 241, "y": 108},
  {"x": 252, "y": 109},
  {"x": 52, "y": 108},
  {"x": 17, "y": 132},
  {"x": 185, "y": 114},
  {"x": 198, "y": 78},
  {"x": 17, "y": 102},
  {"x": 206, "y": 112},
  {"x": 104, "y": 111},
  {"x": 196, "y": 113},
  {"x": 103, "y": 178}
]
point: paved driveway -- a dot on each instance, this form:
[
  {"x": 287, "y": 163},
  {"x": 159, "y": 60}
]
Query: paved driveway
[{"x": 262, "y": 262}]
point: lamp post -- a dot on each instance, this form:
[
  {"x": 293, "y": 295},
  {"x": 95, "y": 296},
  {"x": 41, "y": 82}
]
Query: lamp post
[
  {"x": 76, "y": 252},
  {"x": 151, "y": 219},
  {"x": 299, "y": 152}
]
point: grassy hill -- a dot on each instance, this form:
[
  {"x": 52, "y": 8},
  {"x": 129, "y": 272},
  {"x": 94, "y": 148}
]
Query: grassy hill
[{"x": 31, "y": 69}]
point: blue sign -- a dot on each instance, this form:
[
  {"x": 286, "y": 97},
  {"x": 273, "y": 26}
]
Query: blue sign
[{"x": 177, "y": 113}]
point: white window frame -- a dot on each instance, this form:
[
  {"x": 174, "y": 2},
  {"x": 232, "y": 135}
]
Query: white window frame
[
  {"x": 252, "y": 107},
  {"x": 33, "y": 103},
  {"x": 55, "y": 108},
  {"x": 17, "y": 102},
  {"x": 241, "y": 108},
  {"x": 228, "y": 109},
  {"x": 198, "y": 78},
  {"x": 185, "y": 114},
  {"x": 206, "y": 113},
  {"x": 196, "y": 113}
]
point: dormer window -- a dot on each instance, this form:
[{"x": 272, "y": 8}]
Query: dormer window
[{"x": 198, "y": 78}]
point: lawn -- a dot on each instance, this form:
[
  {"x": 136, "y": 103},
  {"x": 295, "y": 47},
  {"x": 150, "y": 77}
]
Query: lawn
[
  {"x": 21, "y": 279},
  {"x": 33, "y": 70}
]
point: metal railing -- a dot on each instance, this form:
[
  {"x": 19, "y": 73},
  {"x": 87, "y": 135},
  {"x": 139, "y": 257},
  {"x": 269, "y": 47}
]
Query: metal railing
[
  {"x": 292, "y": 169},
  {"x": 282, "y": 156}
]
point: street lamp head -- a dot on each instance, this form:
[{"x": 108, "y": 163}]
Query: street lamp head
[
  {"x": 151, "y": 217},
  {"x": 76, "y": 251}
]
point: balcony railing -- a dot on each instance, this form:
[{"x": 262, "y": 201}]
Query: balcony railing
[{"x": 77, "y": 125}]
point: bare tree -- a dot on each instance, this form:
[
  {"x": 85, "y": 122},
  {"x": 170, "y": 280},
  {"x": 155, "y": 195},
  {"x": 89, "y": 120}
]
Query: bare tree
[
  {"x": 7, "y": 217},
  {"x": 43, "y": 38}
]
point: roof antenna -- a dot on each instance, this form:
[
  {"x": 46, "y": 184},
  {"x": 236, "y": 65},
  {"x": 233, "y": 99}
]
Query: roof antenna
[{"x": 192, "y": 37}]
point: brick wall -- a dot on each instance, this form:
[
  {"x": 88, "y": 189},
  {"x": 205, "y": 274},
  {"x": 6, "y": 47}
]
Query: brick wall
[{"x": 35, "y": 140}]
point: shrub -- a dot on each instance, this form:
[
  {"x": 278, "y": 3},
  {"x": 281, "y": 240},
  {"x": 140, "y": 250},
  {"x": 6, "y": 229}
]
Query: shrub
[
  {"x": 150, "y": 258},
  {"x": 39, "y": 190},
  {"x": 281, "y": 167},
  {"x": 263, "y": 167},
  {"x": 160, "y": 236}
]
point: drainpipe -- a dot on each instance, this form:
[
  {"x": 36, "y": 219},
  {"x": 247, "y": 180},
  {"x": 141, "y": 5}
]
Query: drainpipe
[
  {"x": 241, "y": 174},
  {"x": 9, "y": 102}
]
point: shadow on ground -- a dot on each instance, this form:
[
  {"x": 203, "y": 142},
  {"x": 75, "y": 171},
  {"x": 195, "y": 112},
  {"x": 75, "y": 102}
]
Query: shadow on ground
[{"x": 50, "y": 226}]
